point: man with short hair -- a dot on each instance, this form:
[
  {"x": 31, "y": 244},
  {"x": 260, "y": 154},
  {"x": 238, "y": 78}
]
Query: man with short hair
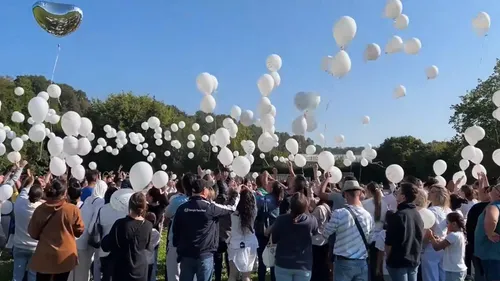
[
  {"x": 352, "y": 226},
  {"x": 91, "y": 176},
  {"x": 196, "y": 230},
  {"x": 404, "y": 236}
]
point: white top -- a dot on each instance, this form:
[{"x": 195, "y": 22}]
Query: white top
[
  {"x": 154, "y": 242},
  {"x": 391, "y": 202},
  {"x": 440, "y": 227},
  {"x": 88, "y": 210},
  {"x": 237, "y": 235},
  {"x": 466, "y": 207},
  {"x": 108, "y": 216},
  {"x": 369, "y": 206},
  {"x": 322, "y": 214},
  {"x": 23, "y": 211},
  {"x": 454, "y": 255},
  {"x": 379, "y": 239}
]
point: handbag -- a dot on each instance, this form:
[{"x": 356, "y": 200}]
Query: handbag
[
  {"x": 95, "y": 236},
  {"x": 269, "y": 253}
]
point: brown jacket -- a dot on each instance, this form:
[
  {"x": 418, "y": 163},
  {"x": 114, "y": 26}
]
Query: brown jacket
[{"x": 55, "y": 224}]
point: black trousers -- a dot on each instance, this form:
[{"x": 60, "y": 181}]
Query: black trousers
[
  {"x": 219, "y": 257},
  {"x": 372, "y": 264},
  {"x": 52, "y": 277},
  {"x": 106, "y": 268},
  {"x": 321, "y": 268}
]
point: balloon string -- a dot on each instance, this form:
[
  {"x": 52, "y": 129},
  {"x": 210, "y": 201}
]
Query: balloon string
[{"x": 55, "y": 63}]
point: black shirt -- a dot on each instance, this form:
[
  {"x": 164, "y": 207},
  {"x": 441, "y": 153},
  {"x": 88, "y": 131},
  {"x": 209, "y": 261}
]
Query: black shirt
[
  {"x": 470, "y": 226},
  {"x": 405, "y": 234},
  {"x": 127, "y": 243}
]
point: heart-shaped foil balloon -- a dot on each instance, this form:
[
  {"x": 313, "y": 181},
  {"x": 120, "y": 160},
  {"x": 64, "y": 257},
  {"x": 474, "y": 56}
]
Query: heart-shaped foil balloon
[{"x": 56, "y": 18}]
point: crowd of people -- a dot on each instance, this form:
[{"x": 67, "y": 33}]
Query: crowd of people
[{"x": 300, "y": 229}]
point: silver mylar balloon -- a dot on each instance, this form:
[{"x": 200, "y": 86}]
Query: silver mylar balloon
[{"x": 57, "y": 19}]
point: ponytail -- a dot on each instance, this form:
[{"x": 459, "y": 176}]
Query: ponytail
[{"x": 377, "y": 199}]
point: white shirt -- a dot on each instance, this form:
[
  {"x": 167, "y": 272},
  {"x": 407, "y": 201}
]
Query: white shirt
[
  {"x": 369, "y": 205},
  {"x": 391, "y": 202},
  {"x": 237, "y": 235},
  {"x": 108, "y": 216},
  {"x": 454, "y": 255},
  {"x": 88, "y": 210},
  {"x": 466, "y": 207},
  {"x": 23, "y": 211},
  {"x": 440, "y": 227}
]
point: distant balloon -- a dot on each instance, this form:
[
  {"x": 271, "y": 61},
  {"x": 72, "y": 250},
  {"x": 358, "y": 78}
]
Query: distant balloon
[{"x": 56, "y": 18}]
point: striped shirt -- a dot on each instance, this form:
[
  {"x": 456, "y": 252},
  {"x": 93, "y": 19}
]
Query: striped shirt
[{"x": 349, "y": 243}]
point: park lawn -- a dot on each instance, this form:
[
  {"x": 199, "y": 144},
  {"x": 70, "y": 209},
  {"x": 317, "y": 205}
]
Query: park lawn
[{"x": 6, "y": 263}]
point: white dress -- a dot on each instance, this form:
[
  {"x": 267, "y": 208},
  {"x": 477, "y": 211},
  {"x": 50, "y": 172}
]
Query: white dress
[
  {"x": 432, "y": 261},
  {"x": 243, "y": 257}
]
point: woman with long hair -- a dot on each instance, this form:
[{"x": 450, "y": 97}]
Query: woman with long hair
[
  {"x": 55, "y": 224},
  {"x": 467, "y": 192},
  {"x": 377, "y": 208},
  {"x": 157, "y": 203},
  {"x": 128, "y": 241},
  {"x": 432, "y": 269},
  {"x": 243, "y": 244},
  {"x": 292, "y": 233}
]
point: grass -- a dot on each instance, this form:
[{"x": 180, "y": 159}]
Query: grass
[{"x": 6, "y": 263}]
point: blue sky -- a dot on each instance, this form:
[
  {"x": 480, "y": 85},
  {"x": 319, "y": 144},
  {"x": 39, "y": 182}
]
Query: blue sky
[{"x": 160, "y": 47}]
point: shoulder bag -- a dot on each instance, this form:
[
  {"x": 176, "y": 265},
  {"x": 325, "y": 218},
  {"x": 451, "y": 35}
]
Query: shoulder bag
[
  {"x": 95, "y": 236},
  {"x": 269, "y": 254}
]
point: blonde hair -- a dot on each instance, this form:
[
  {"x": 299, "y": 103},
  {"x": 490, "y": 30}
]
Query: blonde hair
[
  {"x": 421, "y": 200},
  {"x": 442, "y": 196}
]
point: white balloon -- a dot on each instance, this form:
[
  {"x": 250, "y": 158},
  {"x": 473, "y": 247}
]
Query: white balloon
[
  {"x": 339, "y": 139},
  {"x": 310, "y": 149},
  {"x": 401, "y": 22},
  {"x": 6, "y": 192},
  {"x": 195, "y": 127},
  {"x": 6, "y": 206},
  {"x": 70, "y": 145},
  {"x": 17, "y": 117},
  {"x": 44, "y": 95},
  {"x": 292, "y": 146},
  {"x": 478, "y": 157},
  {"x": 265, "y": 84},
  {"x": 19, "y": 91},
  {"x": 364, "y": 162},
  {"x": 85, "y": 127},
  {"x": 495, "y": 156},
  {"x": 326, "y": 62},
  {"x": 372, "y": 52},
  {"x": 412, "y": 46},
  {"x": 399, "y": 92},
  {"x": 431, "y": 72},
  {"x": 92, "y": 165},
  {"x": 439, "y": 167},
  {"x": 17, "y": 144},
  {"x": 205, "y": 83},
  {"x": 182, "y": 124},
  {"x": 54, "y": 91},
  {"x": 393, "y": 8},
  {"x": 275, "y": 158},
  {"x": 235, "y": 111},
  {"x": 222, "y": 137},
  {"x": 14, "y": 157},
  {"x": 496, "y": 98},
  {"x": 481, "y": 23},
  {"x": 394, "y": 45},
  {"x": 273, "y": 62},
  {"x": 225, "y": 156},
  {"x": 241, "y": 166},
  {"x": 468, "y": 152},
  {"x": 347, "y": 162},
  {"x": 341, "y": 64},
  {"x": 84, "y": 146},
  {"x": 428, "y": 218},
  {"x": 464, "y": 164},
  {"x": 57, "y": 166},
  {"x": 326, "y": 160},
  {"x": 37, "y": 133},
  {"x": 141, "y": 174},
  {"x": 208, "y": 104},
  {"x": 55, "y": 146},
  {"x": 344, "y": 31},
  {"x": 394, "y": 173},
  {"x": 457, "y": 176},
  {"x": 474, "y": 134},
  {"x": 78, "y": 172},
  {"x": 70, "y": 123},
  {"x": 160, "y": 179},
  {"x": 477, "y": 169},
  {"x": 3, "y": 149},
  {"x": 38, "y": 109},
  {"x": 158, "y": 142},
  {"x": 190, "y": 144},
  {"x": 246, "y": 118},
  {"x": 336, "y": 174},
  {"x": 204, "y": 138},
  {"x": 366, "y": 120},
  {"x": 300, "y": 160},
  {"x": 164, "y": 167},
  {"x": 299, "y": 126},
  {"x": 277, "y": 78},
  {"x": 209, "y": 119}
]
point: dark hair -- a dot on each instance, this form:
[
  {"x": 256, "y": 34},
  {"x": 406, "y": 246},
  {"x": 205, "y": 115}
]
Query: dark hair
[
  {"x": 411, "y": 179},
  {"x": 198, "y": 186},
  {"x": 377, "y": 199},
  {"x": 138, "y": 204},
  {"x": 35, "y": 193},
  {"x": 456, "y": 201},
  {"x": 298, "y": 205},
  {"x": 300, "y": 184},
  {"x": 430, "y": 182},
  {"x": 74, "y": 191},
  {"x": 157, "y": 196},
  {"x": 55, "y": 190},
  {"x": 180, "y": 188},
  {"x": 188, "y": 181},
  {"x": 109, "y": 192},
  {"x": 278, "y": 192},
  {"x": 468, "y": 192},
  {"x": 151, "y": 217},
  {"x": 457, "y": 218},
  {"x": 349, "y": 178},
  {"x": 409, "y": 191},
  {"x": 246, "y": 210},
  {"x": 92, "y": 176}
]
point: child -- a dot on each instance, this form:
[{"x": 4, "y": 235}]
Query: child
[
  {"x": 154, "y": 242},
  {"x": 454, "y": 247}
]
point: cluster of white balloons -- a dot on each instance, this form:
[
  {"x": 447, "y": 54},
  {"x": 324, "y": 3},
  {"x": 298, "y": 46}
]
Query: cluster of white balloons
[
  {"x": 471, "y": 153},
  {"x": 207, "y": 84},
  {"x": 344, "y": 31},
  {"x": 268, "y": 82},
  {"x": 293, "y": 147},
  {"x": 307, "y": 103}
]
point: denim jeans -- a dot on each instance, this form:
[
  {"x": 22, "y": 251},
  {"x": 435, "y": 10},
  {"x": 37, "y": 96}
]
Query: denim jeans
[
  {"x": 22, "y": 258},
  {"x": 219, "y": 258},
  {"x": 283, "y": 274},
  {"x": 154, "y": 270},
  {"x": 491, "y": 269},
  {"x": 455, "y": 276},
  {"x": 403, "y": 274},
  {"x": 201, "y": 268},
  {"x": 350, "y": 270}
]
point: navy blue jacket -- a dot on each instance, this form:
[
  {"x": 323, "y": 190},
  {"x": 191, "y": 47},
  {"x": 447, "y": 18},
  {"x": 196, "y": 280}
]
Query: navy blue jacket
[{"x": 196, "y": 228}]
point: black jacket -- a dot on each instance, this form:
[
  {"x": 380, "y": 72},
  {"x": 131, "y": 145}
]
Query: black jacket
[
  {"x": 195, "y": 228},
  {"x": 405, "y": 235}
]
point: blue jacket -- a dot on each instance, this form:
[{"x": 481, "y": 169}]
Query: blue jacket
[{"x": 195, "y": 227}]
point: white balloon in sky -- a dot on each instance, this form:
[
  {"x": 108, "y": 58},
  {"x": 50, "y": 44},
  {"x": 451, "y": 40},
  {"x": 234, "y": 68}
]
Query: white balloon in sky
[
  {"x": 481, "y": 23},
  {"x": 344, "y": 31},
  {"x": 394, "y": 45},
  {"x": 341, "y": 64},
  {"x": 431, "y": 72},
  {"x": 399, "y": 92},
  {"x": 372, "y": 52},
  {"x": 401, "y": 22},
  {"x": 412, "y": 46}
]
